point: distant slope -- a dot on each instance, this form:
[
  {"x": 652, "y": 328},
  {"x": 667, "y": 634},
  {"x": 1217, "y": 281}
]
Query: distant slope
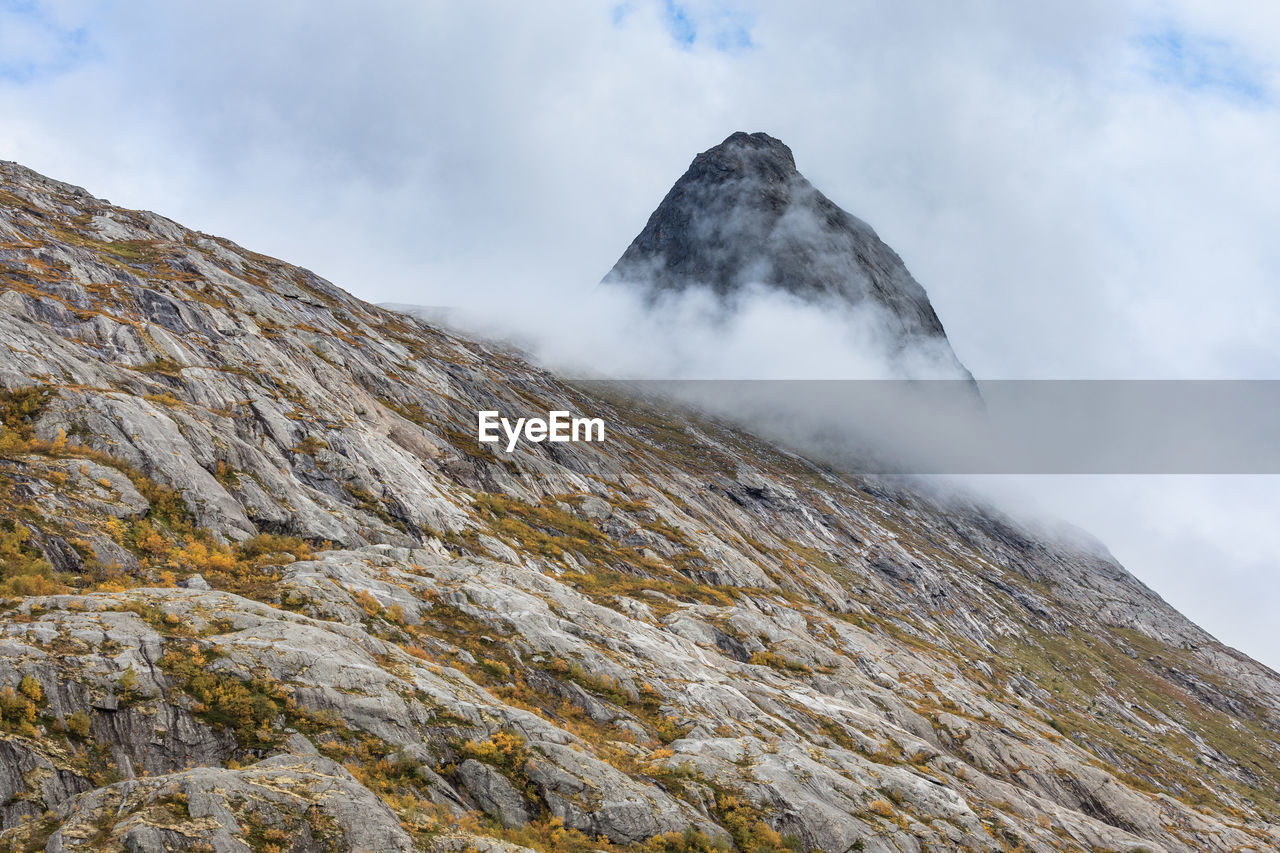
[{"x": 264, "y": 588}]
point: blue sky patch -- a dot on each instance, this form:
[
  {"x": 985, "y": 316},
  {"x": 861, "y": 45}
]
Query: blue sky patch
[
  {"x": 47, "y": 47},
  {"x": 1205, "y": 65},
  {"x": 723, "y": 27},
  {"x": 682, "y": 29}
]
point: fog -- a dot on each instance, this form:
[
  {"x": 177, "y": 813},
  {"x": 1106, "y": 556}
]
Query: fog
[{"x": 614, "y": 332}]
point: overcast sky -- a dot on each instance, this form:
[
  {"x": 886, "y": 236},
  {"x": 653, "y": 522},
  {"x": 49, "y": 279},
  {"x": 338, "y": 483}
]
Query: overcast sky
[{"x": 1086, "y": 189}]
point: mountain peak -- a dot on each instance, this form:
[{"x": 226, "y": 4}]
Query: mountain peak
[
  {"x": 743, "y": 217},
  {"x": 741, "y": 154}
]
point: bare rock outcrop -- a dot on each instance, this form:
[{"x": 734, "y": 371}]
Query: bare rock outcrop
[{"x": 259, "y": 585}]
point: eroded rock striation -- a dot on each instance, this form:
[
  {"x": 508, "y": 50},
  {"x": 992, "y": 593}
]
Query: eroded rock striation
[{"x": 263, "y": 590}]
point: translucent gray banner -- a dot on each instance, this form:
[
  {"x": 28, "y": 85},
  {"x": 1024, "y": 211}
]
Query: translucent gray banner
[{"x": 997, "y": 427}]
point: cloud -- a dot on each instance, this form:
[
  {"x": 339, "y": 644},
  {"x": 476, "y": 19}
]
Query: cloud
[{"x": 615, "y": 333}]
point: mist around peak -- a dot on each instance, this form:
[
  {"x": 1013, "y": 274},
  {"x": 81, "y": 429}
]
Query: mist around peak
[
  {"x": 743, "y": 220},
  {"x": 743, "y": 271}
]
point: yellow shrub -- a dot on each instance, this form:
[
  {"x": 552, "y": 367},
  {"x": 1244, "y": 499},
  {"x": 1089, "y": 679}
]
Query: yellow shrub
[
  {"x": 30, "y": 688},
  {"x": 417, "y": 651},
  {"x": 114, "y": 585},
  {"x": 12, "y": 444},
  {"x": 150, "y": 540},
  {"x": 25, "y": 585},
  {"x": 78, "y": 724},
  {"x": 16, "y": 710},
  {"x": 204, "y": 558},
  {"x": 368, "y": 603},
  {"x": 881, "y": 807},
  {"x": 503, "y": 749}
]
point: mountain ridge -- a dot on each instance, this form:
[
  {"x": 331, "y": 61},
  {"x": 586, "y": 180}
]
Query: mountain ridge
[{"x": 263, "y": 587}]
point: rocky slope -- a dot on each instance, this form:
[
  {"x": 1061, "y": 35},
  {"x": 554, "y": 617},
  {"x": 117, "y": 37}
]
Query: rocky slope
[
  {"x": 743, "y": 217},
  {"x": 265, "y": 591}
]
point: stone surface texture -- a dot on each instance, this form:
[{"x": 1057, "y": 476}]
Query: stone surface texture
[{"x": 264, "y": 591}]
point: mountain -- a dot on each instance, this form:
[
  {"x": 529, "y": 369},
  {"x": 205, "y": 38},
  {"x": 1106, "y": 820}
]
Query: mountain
[
  {"x": 264, "y": 590},
  {"x": 742, "y": 216}
]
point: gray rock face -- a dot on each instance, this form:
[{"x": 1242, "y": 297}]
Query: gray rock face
[
  {"x": 496, "y": 796},
  {"x": 261, "y": 587},
  {"x": 310, "y": 804},
  {"x": 743, "y": 216},
  {"x": 194, "y": 582}
]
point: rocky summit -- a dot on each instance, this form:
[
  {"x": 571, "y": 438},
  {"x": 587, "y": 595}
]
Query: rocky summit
[
  {"x": 262, "y": 589},
  {"x": 743, "y": 217}
]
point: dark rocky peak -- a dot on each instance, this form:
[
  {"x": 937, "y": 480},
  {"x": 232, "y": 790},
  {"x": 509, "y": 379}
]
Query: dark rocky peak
[
  {"x": 755, "y": 155},
  {"x": 742, "y": 217}
]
